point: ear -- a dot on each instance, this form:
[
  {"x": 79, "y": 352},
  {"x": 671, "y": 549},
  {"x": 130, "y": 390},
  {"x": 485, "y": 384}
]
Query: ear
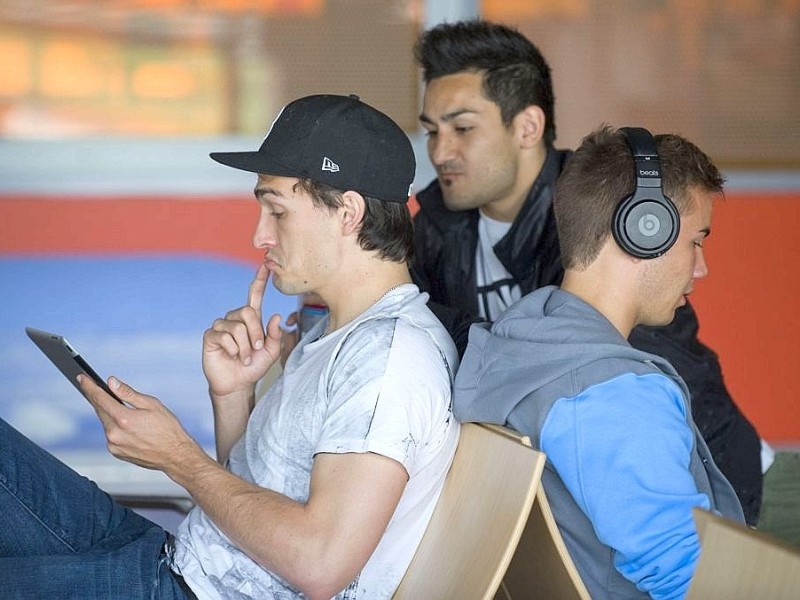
[
  {"x": 351, "y": 213},
  {"x": 622, "y": 254},
  {"x": 529, "y": 125}
]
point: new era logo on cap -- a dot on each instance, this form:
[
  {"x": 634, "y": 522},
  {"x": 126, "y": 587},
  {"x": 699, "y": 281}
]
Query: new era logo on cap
[{"x": 329, "y": 165}]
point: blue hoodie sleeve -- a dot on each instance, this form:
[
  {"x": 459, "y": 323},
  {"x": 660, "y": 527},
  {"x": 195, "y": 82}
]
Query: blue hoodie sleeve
[{"x": 623, "y": 448}]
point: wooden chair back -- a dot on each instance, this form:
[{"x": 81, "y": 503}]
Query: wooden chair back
[
  {"x": 479, "y": 518},
  {"x": 542, "y": 566},
  {"x": 737, "y": 562}
]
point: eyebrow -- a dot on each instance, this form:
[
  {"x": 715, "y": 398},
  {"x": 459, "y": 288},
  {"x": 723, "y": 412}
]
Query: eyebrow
[
  {"x": 448, "y": 117},
  {"x": 265, "y": 190}
]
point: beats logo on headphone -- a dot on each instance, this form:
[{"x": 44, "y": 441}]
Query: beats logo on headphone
[{"x": 646, "y": 223}]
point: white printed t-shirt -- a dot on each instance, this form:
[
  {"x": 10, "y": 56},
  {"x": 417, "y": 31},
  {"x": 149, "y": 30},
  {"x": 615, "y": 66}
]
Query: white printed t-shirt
[
  {"x": 380, "y": 384},
  {"x": 496, "y": 287}
]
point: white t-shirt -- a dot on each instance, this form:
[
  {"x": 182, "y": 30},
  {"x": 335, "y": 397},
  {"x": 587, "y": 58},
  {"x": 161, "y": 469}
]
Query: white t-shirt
[
  {"x": 496, "y": 287},
  {"x": 380, "y": 384}
]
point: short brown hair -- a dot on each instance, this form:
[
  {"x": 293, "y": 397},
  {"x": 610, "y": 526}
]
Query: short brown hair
[
  {"x": 601, "y": 173},
  {"x": 386, "y": 227}
]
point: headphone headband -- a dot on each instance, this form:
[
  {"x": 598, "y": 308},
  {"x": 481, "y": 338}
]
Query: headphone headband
[{"x": 645, "y": 155}]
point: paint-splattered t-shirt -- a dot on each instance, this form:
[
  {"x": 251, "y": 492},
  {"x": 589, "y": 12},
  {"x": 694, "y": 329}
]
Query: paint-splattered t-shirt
[{"x": 380, "y": 384}]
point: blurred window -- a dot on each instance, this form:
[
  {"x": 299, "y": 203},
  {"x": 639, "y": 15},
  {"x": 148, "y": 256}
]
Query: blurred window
[
  {"x": 724, "y": 73},
  {"x": 196, "y": 67}
]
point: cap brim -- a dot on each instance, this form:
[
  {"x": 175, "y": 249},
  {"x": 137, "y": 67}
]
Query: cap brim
[
  {"x": 264, "y": 164},
  {"x": 255, "y": 162}
]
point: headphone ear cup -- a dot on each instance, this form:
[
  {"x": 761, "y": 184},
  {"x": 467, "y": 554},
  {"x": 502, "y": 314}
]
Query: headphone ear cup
[{"x": 644, "y": 227}]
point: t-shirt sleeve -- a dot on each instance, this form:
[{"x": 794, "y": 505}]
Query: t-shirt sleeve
[
  {"x": 388, "y": 392},
  {"x": 623, "y": 449}
]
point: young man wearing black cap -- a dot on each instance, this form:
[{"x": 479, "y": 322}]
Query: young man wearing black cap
[{"x": 324, "y": 487}]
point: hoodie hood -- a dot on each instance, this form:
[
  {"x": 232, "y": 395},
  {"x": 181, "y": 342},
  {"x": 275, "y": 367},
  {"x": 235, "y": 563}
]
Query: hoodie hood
[{"x": 528, "y": 352}]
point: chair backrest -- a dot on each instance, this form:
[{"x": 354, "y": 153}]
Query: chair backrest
[
  {"x": 739, "y": 562},
  {"x": 542, "y": 566},
  {"x": 478, "y": 519}
]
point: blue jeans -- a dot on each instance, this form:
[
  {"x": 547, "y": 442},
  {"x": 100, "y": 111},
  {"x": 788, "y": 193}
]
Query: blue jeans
[{"x": 63, "y": 537}]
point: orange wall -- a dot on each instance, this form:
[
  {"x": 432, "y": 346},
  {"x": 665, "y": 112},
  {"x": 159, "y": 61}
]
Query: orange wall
[
  {"x": 215, "y": 226},
  {"x": 748, "y": 306}
]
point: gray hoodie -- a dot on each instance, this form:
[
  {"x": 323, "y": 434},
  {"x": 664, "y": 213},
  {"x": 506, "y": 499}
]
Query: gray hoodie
[{"x": 625, "y": 461}]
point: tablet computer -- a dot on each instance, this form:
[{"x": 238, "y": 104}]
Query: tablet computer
[{"x": 66, "y": 358}]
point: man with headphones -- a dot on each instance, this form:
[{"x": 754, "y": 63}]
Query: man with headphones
[
  {"x": 626, "y": 463},
  {"x": 485, "y": 233}
]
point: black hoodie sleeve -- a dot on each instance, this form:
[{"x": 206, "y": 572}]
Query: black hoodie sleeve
[{"x": 426, "y": 268}]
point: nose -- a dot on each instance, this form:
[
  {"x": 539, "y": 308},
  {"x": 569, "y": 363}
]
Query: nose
[
  {"x": 700, "y": 266},
  {"x": 441, "y": 148},
  {"x": 264, "y": 234}
]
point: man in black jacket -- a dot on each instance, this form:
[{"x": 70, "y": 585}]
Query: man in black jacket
[{"x": 485, "y": 234}]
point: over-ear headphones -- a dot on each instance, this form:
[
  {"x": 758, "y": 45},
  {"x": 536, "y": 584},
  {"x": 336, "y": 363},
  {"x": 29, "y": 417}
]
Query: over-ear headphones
[{"x": 646, "y": 223}]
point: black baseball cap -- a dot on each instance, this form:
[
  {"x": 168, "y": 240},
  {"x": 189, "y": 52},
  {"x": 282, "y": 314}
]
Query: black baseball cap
[{"x": 336, "y": 140}]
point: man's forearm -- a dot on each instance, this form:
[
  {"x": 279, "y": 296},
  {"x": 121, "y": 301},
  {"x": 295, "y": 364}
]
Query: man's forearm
[
  {"x": 230, "y": 421},
  {"x": 257, "y": 520},
  {"x": 312, "y": 545}
]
